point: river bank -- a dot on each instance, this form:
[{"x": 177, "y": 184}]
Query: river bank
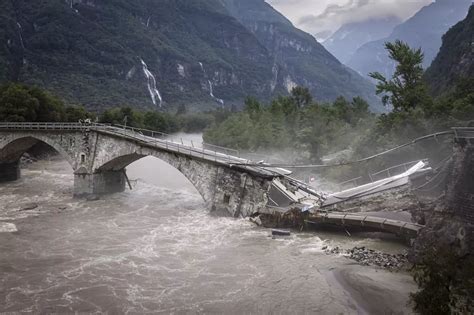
[
  {"x": 156, "y": 249},
  {"x": 376, "y": 291}
]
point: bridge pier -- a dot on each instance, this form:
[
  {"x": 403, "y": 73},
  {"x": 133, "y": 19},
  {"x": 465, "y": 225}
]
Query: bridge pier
[
  {"x": 99, "y": 183},
  {"x": 9, "y": 171}
]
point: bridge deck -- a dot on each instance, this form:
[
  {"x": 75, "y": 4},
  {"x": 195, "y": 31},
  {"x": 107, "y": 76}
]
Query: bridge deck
[
  {"x": 374, "y": 187},
  {"x": 365, "y": 221},
  {"x": 157, "y": 140}
]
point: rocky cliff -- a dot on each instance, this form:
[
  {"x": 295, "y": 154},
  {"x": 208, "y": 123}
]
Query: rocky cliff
[
  {"x": 456, "y": 57},
  {"x": 298, "y": 59},
  {"x": 425, "y": 29}
]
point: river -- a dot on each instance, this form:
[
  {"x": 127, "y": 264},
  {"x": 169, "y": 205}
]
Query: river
[{"x": 155, "y": 249}]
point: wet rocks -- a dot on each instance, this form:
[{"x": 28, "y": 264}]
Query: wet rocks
[
  {"x": 370, "y": 257},
  {"x": 27, "y": 159}
]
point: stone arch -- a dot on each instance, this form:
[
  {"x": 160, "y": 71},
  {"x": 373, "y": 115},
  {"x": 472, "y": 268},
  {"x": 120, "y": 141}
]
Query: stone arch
[
  {"x": 199, "y": 173},
  {"x": 14, "y": 146}
]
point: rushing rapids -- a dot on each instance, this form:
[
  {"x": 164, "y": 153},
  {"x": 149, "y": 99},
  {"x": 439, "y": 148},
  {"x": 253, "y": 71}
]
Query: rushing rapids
[{"x": 157, "y": 249}]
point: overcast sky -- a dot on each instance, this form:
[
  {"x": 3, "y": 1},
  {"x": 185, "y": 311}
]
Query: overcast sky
[{"x": 315, "y": 16}]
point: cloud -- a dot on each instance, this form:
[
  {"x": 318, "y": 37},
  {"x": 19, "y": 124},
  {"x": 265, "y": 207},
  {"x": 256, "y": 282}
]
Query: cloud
[
  {"x": 317, "y": 16},
  {"x": 335, "y": 9}
]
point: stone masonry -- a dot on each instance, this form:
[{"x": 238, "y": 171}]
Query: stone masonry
[{"x": 99, "y": 159}]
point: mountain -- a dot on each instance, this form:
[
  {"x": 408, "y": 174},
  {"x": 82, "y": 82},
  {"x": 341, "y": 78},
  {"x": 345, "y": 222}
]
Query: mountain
[
  {"x": 424, "y": 30},
  {"x": 350, "y": 37},
  {"x": 297, "y": 58},
  {"x": 148, "y": 53},
  {"x": 456, "y": 57}
]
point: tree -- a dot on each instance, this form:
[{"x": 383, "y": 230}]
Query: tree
[
  {"x": 406, "y": 90},
  {"x": 17, "y": 104},
  {"x": 181, "y": 110},
  {"x": 50, "y": 108},
  {"x": 342, "y": 108},
  {"x": 252, "y": 106},
  {"x": 301, "y": 96},
  {"x": 446, "y": 278},
  {"x": 76, "y": 113}
]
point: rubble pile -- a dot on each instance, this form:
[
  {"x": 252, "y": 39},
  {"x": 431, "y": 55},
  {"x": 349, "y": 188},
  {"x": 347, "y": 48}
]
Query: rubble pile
[{"x": 370, "y": 257}]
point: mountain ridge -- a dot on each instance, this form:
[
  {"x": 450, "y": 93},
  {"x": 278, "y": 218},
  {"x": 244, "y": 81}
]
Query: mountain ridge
[
  {"x": 299, "y": 59},
  {"x": 455, "y": 60},
  {"x": 194, "y": 52},
  {"x": 350, "y": 37},
  {"x": 425, "y": 29}
]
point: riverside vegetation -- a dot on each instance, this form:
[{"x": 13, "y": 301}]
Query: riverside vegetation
[{"x": 22, "y": 103}]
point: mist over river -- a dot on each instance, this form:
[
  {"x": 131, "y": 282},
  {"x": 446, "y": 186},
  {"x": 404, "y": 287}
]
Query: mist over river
[{"x": 155, "y": 249}]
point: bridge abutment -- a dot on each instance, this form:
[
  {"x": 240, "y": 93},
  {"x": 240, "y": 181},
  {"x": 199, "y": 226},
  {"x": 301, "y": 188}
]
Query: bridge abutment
[
  {"x": 9, "y": 171},
  {"x": 99, "y": 183}
]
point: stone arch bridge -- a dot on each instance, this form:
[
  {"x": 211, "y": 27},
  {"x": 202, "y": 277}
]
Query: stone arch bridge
[
  {"x": 230, "y": 185},
  {"x": 99, "y": 154}
]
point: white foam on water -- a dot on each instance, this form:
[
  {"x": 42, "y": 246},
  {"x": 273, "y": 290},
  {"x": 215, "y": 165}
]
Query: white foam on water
[
  {"x": 314, "y": 245},
  {"x": 6, "y": 227},
  {"x": 153, "y": 248}
]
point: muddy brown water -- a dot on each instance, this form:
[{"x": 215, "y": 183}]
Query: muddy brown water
[{"x": 156, "y": 249}]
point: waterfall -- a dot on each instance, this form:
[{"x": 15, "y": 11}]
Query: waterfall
[
  {"x": 274, "y": 82},
  {"x": 211, "y": 90},
  {"x": 71, "y": 5},
  {"x": 20, "y": 33},
  {"x": 151, "y": 82},
  {"x": 211, "y": 87},
  {"x": 148, "y": 21}
]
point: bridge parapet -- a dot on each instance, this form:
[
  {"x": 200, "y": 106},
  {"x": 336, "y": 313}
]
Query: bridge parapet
[{"x": 99, "y": 154}]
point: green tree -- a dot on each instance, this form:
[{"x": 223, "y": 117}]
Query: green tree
[
  {"x": 50, "y": 108},
  {"x": 76, "y": 113},
  {"x": 360, "y": 108},
  {"x": 17, "y": 104},
  {"x": 342, "y": 109},
  {"x": 301, "y": 96},
  {"x": 181, "y": 110},
  {"x": 445, "y": 281},
  {"x": 122, "y": 116},
  {"x": 406, "y": 90},
  {"x": 253, "y": 107}
]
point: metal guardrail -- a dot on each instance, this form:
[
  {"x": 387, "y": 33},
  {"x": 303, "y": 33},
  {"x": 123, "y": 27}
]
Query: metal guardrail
[
  {"x": 49, "y": 126},
  {"x": 350, "y": 181},
  {"x": 150, "y": 137},
  {"x": 220, "y": 148},
  {"x": 373, "y": 176},
  {"x": 464, "y": 132},
  {"x": 389, "y": 174}
]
